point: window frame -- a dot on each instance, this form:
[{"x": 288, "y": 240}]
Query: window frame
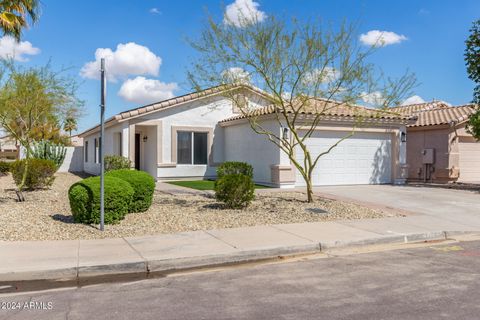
[
  {"x": 86, "y": 151},
  {"x": 192, "y": 147}
]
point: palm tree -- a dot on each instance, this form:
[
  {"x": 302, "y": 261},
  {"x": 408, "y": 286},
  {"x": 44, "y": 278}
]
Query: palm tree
[
  {"x": 14, "y": 15},
  {"x": 70, "y": 125}
]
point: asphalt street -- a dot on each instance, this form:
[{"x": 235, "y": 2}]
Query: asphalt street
[{"x": 431, "y": 282}]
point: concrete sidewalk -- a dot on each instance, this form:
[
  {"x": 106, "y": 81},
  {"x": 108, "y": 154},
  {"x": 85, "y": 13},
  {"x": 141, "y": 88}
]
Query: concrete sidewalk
[{"x": 83, "y": 259}]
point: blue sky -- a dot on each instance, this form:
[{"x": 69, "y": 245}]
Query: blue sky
[{"x": 69, "y": 33}]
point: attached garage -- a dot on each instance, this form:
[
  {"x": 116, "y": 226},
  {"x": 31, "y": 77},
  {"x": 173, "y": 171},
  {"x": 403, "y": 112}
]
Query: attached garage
[
  {"x": 364, "y": 158},
  {"x": 375, "y": 154},
  {"x": 469, "y": 161}
]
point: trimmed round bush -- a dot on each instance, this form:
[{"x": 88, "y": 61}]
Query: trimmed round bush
[
  {"x": 143, "y": 187},
  {"x": 234, "y": 167},
  {"x": 40, "y": 173},
  {"x": 84, "y": 199},
  {"x": 235, "y": 190}
]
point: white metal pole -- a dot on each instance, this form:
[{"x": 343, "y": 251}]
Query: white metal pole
[{"x": 102, "y": 143}]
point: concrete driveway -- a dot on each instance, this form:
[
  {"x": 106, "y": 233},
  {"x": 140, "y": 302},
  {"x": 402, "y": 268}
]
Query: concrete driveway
[{"x": 454, "y": 205}]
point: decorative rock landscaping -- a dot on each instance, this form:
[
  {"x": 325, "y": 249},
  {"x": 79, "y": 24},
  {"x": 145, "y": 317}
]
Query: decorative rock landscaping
[{"x": 46, "y": 215}]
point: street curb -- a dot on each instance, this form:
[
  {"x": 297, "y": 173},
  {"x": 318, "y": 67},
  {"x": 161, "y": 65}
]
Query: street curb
[{"x": 147, "y": 268}]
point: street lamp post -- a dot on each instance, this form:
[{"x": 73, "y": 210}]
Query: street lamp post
[{"x": 102, "y": 143}]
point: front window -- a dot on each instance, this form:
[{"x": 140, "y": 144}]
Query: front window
[
  {"x": 86, "y": 151},
  {"x": 192, "y": 147}
]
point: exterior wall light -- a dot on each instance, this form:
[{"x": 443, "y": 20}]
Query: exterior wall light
[
  {"x": 145, "y": 138},
  {"x": 285, "y": 133},
  {"x": 403, "y": 137}
]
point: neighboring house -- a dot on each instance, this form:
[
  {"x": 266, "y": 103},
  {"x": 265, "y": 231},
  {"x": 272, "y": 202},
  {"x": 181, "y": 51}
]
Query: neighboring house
[
  {"x": 8, "y": 147},
  {"x": 439, "y": 149},
  {"x": 189, "y": 136}
]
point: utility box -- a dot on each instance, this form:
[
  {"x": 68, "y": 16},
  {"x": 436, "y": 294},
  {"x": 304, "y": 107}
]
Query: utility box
[{"x": 428, "y": 156}]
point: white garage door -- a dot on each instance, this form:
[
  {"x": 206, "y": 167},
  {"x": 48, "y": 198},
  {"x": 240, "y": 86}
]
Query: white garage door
[
  {"x": 364, "y": 158},
  {"x": 469, "y": 161}
]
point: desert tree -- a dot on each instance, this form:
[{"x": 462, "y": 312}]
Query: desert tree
[
  {"x": 306, "y": 70},
  {"x": 30, "y": 99},
  {"x": 472, "y": 60},
  {"x": 16, "y": 14}
]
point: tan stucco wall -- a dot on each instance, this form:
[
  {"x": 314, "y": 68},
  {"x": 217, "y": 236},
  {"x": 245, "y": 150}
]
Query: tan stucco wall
[
  {"x": 435, "y": 138},
  {"x": 445, "y": 141}
]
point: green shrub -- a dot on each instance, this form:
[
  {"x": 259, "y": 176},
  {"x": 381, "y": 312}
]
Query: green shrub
[
  {"x": 235, "y": 190},
  {"x": 40, "y": 173},
  {"x": 113, "y": 162},
  {"x": 48, "y": 150},
  {"x": 143, "y": 186},
  {"x": 84, "y": 197},
  {"x": 234, "y": 167},
  {"x": 4, "y": 167}
]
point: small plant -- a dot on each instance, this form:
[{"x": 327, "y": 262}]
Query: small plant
[
  {"x": 234, "y": 185},
  {"x": 143, "y": 186},
  {"x": 40, "y": 173},
  {"x": 235, "y": 167},
  {"x": 235, "y": 190},
  {"x": 50, "y": 151},
  {"x": 113, "y": 162},
  {"x": 4, "y": 168},
  {"x": 84, "y": 197}
]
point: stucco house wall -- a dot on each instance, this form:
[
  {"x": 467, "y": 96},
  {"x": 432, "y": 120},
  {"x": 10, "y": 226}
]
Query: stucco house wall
[
  {"x": 158, "y": 137},
  {"x": 446, "y": 140},
  {"x": 92, "y": 167},
  {"x": 243, "y": 144},
  {"x": 432, "y": 138}
]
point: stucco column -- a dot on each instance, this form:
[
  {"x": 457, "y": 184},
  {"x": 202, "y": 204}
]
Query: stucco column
[
  {"x": 401, "y": 163},
  {"x": 159, "y": 142},
  {"x": 125, "y": 141},
  {"x": 131, "y": 143}
]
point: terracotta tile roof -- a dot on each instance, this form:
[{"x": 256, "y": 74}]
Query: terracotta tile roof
[
  {"x": 441, "y": 116},
  {"x": 419, "y": 107},
  {"x": 328, "y": 108},
  {"x": 170, "y": 103}
]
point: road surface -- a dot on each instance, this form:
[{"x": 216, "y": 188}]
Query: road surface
[{"x": 431, "y": 282}]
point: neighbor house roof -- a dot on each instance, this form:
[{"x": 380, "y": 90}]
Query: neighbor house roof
[
  {"x": 441, "y": 116},
  {"x": 173, "y": 102},
  {"x": 436, "y": 113},
  {"x": 419, "y": 107},
  {"x": 327, "y": 108}
]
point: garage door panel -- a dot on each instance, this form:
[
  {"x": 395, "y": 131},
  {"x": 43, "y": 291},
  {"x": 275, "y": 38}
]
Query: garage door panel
[
  {"x": 469, "y": 162},
  {"x": 362, "y": 159}
]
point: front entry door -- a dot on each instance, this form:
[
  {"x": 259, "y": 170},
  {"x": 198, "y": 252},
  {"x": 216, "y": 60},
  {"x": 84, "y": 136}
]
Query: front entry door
[{"x": 137, "y": 151}]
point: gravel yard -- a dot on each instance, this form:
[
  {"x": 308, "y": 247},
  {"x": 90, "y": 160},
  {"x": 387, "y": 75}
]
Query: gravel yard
[{"x": 46, "y": 213}]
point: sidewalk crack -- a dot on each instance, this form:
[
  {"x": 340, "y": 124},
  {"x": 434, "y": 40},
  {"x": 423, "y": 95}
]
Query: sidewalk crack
[
  {"x": 229, "y": 244},
  {"x": 138, "y": 252}
]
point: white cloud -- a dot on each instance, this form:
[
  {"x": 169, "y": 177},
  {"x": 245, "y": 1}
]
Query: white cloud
[
  {"x": 236, "y": 75},
  {"x": 143, "y": 90},
  {"x": 242, "y": 13},
  {"x": 128, "y": 59},
  {"x": 325, "y": 76},
  {"x": 154, "y": 11},
  {"x": 381, "y": 38},
  {"x": 10, "y": 48},
  {"x": 374, "y": 98},
  {"x": 413, "y": 100}
]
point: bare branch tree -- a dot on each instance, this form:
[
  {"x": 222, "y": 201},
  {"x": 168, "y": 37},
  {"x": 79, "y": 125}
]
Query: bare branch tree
[{"x": 306, "y": 70}]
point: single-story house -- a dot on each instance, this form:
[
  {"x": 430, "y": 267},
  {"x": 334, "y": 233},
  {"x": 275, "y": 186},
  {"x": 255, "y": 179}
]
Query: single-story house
[
  {"x": 187, "y": 137},
  {"x": 439, "y": 149}
]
